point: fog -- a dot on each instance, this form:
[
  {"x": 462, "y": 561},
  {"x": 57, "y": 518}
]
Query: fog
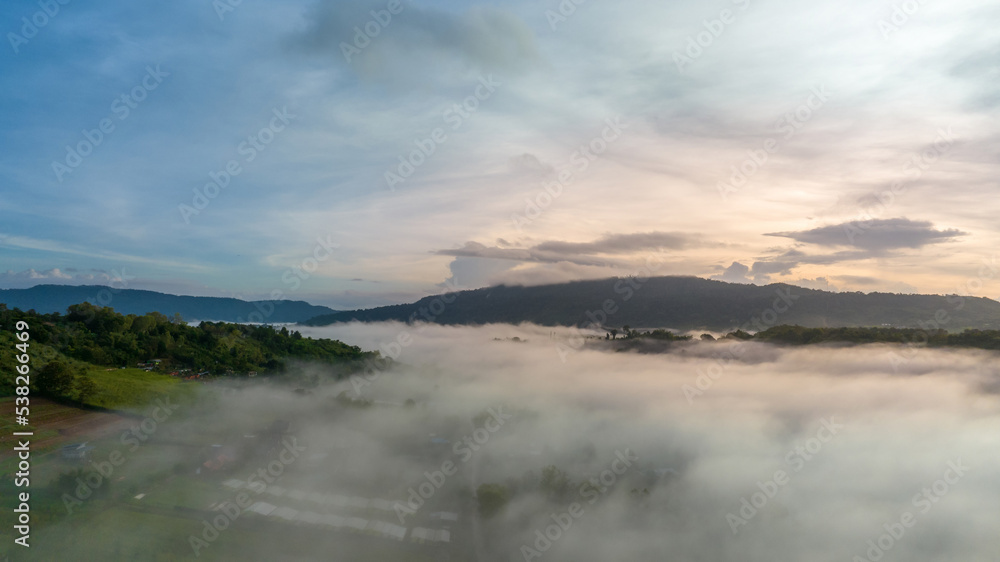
[
  {"x": 907, "y": 416},
  {"x": 671, "y": 455}
]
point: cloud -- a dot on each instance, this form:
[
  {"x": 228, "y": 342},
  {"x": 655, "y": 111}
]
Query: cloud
[
  {"x": 623, "y": 243},
  {"x": 582, "y": 253},
  {"x": 875, "y": 236},
  {"x": 32, "y": 274},
  {"x": 419, "y": 42},
  {"x": 557, "y": 261},
  {"x": 857, "y": 279},
  {"x": 70, "y": 276},
  {"x": 468, "y": 272},
  {"x": 896, "y": 430},
  {"x": 529, "y": 163},
  {"x": 819, "y": 283},
  {"x": 735, "y": 273}
]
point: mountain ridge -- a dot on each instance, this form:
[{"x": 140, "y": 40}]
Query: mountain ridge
[
  {"x": 57, "y": 298},
  {"x": 683, "y": 303}
]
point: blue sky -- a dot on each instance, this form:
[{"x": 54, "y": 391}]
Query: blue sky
[{"x": 582, "y": 143}]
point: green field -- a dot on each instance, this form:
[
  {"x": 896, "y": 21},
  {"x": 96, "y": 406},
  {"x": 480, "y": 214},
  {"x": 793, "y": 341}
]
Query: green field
[{"x": 131, "y": 388}]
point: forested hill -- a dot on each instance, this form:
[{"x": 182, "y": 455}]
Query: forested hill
[
  {"x": 57, "y": 298},
  {"x": 685, "y": 303},
  {"x": 102, "y": 337}
]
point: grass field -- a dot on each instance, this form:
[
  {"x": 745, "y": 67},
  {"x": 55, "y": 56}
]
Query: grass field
[{"x": 131, "y": 388}]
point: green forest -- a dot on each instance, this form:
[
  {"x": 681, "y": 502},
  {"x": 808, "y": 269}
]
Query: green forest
[
  {"x": 798, "y": 335},
  {"x": 67, "y": 350}
]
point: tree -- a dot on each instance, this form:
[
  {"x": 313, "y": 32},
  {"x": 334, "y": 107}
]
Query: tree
[
  {"x": 55, "y": 380},
  {"x": 554, "y": 483},
  {"x": 85, "y": 389},
  {"x": 614, "y": 333},
  {"x": 492, "y": 498}
]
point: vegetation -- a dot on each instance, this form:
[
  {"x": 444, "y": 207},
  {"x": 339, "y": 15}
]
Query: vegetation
[
  {"x": 95, "y": 354},
  {"x": 798, "y": 335},
  {"x": 658, "y": 334},
  {"x": 492, "y": 498}
]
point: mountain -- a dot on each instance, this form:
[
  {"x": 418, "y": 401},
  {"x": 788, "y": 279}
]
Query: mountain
[
  {"x": 56, "y": 298},
  {"x": 685, "y": 303}
]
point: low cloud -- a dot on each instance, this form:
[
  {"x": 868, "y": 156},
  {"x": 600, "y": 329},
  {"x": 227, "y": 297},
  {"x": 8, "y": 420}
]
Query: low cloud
[
  {"x": 873, "y": 435},
  {"x": 876, "y": 236},
  {"x": 735, "y": 273},
  {"x": 583, "y": 253},
  {"x": 623, "y": 243},
  {"x": 70, "y": 276}
]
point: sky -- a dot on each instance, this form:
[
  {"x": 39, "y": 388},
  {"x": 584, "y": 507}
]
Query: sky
[{"x": 357, "y": 154}]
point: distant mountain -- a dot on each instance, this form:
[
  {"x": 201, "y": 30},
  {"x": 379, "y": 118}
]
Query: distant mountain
[
  {"x": 685, "y": 303},
  {"x": 56, "y": 298}
]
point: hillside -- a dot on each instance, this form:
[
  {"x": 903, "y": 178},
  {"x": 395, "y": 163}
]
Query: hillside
[
  {"x": 57, "y": 298},
  {"x": 88, "y": 342},
  {"x": 685, "y": 303}
]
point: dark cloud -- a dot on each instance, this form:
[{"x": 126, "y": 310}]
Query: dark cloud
[
  {"x": 875, "y": 236},
  {"x": 582, "y": 253},
  {"x": 623, "y": 243},
  {"x": 783, "y": 262}
]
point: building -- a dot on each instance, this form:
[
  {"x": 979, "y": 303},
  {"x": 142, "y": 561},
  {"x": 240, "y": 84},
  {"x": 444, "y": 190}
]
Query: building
[
  {"x": 422, "y": 535},
  {"x": 76, "y": 452},
  {"x": 445, "y": 516}
]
